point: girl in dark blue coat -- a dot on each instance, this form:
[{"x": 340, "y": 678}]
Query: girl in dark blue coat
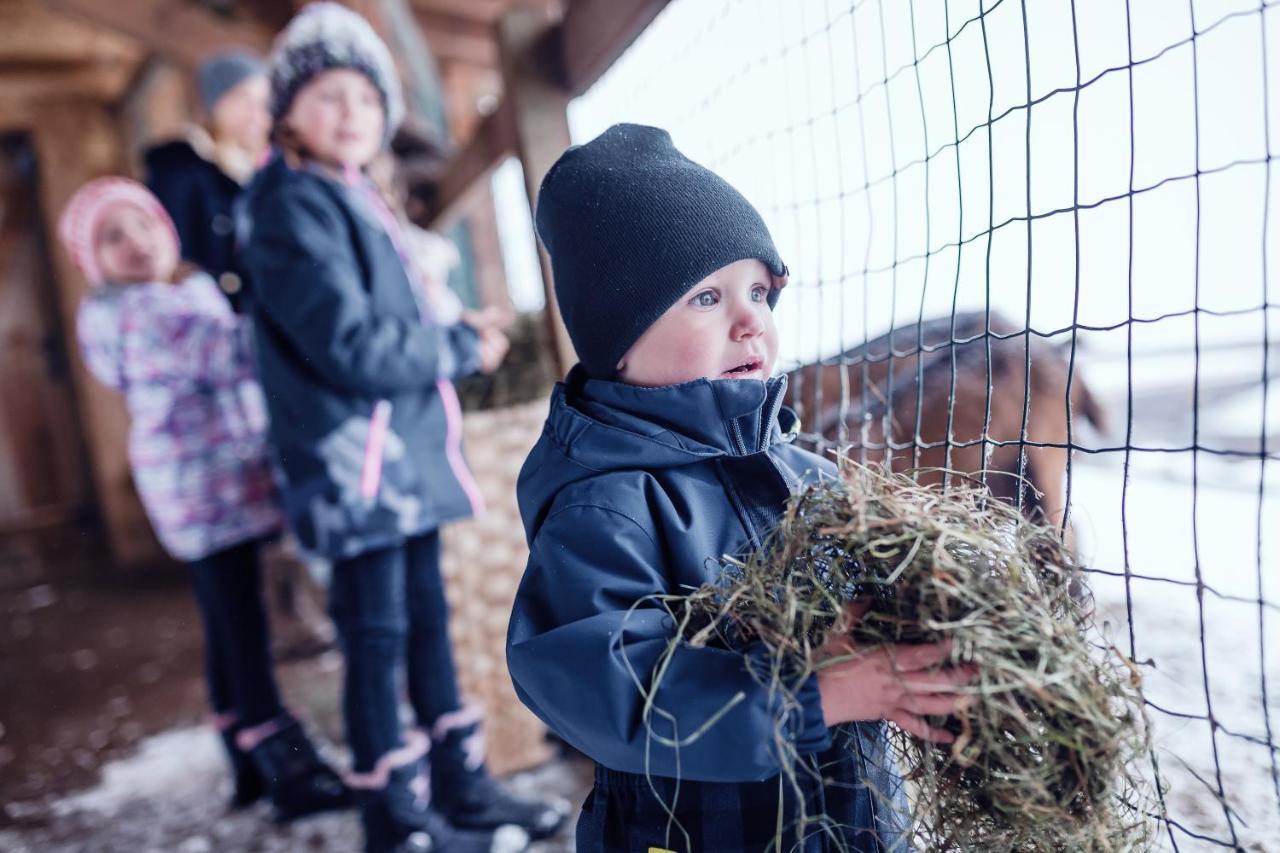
[
  {"x": 199, "y": 177},
  {"x": 367, "y": 430},
  {"x": 666, "y": 448}
]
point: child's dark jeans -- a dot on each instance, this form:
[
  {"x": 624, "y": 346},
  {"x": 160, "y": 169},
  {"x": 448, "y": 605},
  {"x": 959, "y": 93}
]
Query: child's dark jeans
[
  {"x": 390, "y": 611},
  {"x": 237, "y": 645}
]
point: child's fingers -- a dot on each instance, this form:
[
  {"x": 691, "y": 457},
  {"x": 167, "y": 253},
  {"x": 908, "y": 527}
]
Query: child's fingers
[
  {"x": 941, "y": 681},
  {"x": 912, "y": 658},
  {"x": 854, "y": 611},
  {"x": 934, "y": 703},
  {"x": 915, "y": 725}
]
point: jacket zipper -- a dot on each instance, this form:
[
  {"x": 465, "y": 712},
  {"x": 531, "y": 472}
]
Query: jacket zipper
[{"x": 766, "y": 428}]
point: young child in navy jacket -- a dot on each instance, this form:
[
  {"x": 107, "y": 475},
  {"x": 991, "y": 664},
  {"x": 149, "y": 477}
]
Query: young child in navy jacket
[
  {"x": 665, "y": 448},
  {"x": 358, "y": 373}
]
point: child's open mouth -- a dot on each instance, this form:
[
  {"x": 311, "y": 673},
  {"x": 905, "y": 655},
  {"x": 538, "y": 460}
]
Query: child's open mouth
[{"x": 745, "y": 370}]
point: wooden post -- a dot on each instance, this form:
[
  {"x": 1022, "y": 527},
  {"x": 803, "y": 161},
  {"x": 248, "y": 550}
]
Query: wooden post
[
  {"x": 75, "y": 141},
  {"x": 538, "y": 103}
]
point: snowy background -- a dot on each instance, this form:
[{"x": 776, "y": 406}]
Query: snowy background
[{"x": 887, "y": 145}]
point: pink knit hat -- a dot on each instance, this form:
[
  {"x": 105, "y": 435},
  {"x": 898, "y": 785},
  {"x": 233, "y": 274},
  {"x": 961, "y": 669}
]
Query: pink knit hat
[{"x": 80, "y": 219}]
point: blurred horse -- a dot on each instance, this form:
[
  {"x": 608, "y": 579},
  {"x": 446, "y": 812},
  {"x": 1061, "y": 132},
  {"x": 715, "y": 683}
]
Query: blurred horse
[{"x": 914, "y": 397}]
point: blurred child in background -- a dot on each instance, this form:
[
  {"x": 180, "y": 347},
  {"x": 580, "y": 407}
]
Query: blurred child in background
[
  {"x": 358, "y": 371},
  {"x": 160, "y": 332}
]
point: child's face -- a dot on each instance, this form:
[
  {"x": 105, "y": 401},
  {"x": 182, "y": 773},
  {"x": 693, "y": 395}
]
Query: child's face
[
  {"x": 131, "y": 247},
  {"x": 338, "y": 117},
  {"x": 722, "y": 328},
  {"x": 242, "y": 116}
]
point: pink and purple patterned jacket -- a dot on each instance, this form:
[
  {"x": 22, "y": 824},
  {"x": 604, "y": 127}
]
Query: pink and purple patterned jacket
[{"x": 197, "y": 443}]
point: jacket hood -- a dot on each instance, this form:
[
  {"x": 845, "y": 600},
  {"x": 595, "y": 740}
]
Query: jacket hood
[{"x": 597, "y": 426}]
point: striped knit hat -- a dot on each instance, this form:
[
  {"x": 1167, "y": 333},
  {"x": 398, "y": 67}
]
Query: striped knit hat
[
  {"x": 78, "y": 224},
  {"x": 324, "y": 36}
]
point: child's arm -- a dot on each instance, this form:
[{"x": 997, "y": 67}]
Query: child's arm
[
  {"x": 308, "y": 285},
  {"x": 576, "y": 651},
  {"x": 98, "y": 332}
]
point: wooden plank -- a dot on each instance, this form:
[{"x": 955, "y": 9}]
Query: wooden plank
[
  {"x": 493, "y": 141},
  {"x": 596, "y": 32},
  {"x": 455, "y": 39},
  {"x": 102, "y": 81},
  {"x": 74, "y": 142},
  {"x": 539, "y": 105},
  {"x": 486, "y": 11},
  {"x": 42, "y": 465},
  {"x": 570, "y": 57},
  {"x": 183, "y": 32},
  {"x": 30, "y": 32},
  {"x": 471, "y": 93}
]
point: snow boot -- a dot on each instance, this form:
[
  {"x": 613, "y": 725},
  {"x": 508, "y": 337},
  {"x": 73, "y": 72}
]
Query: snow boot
[
  {"x": 465, "y": 792},
  {"x": 247, "y": 785},
  {"x": 398, "y": 818},
  {"x": 297, "y": 778}
]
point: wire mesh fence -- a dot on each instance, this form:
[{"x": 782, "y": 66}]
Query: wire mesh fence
[{"x": 1034, "y": 240}]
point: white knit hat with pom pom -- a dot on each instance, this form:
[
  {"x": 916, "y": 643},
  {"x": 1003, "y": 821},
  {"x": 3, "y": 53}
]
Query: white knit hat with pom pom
[{"x": 324, "y": 36}]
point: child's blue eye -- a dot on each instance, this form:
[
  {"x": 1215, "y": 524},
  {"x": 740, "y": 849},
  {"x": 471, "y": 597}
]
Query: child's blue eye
[
  {"x": 759, "y": 293},
  {"x": 705, "y": 299}
]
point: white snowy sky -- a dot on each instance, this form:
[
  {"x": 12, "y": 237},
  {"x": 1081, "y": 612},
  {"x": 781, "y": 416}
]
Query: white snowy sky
[{"x": 788, "y": 102}]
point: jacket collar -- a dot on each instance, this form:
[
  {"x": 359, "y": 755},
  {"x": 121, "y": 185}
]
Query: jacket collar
[{"x": 709, "y": 417}]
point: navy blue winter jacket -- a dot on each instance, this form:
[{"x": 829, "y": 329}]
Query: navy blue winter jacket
[
  {"x": 633, "y": 492},
  {"x": 199, "y": 198},
  {"x": 364, "y": 419}
]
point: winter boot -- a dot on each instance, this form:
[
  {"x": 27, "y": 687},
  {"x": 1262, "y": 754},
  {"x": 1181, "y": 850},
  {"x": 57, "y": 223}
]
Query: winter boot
[
  {"x": 465, "y": 793},
  {"x": 247, "y": 783},
  {"x": 398, "y": 818},
  {"x": 299, "y": 781}
]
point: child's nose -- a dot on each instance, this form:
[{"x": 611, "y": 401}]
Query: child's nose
[{"x": 747, "y": 323}]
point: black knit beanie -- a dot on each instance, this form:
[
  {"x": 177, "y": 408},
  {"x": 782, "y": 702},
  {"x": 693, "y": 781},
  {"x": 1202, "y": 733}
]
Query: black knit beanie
[{"x": 631, "y": 224}]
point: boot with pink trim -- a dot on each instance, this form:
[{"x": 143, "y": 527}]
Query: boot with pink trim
[
  {"x": 298, "y": 780},
  {"x": 465, "y": 792},
  {"x": 247, "y": 785},
  {"x": 397, "y": 811}
]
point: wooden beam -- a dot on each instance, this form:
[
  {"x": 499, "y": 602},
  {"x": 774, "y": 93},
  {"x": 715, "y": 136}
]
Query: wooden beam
[
  {"x": 494, "y": 140},
  {"x": 454, "y": 39},
  {"x": 596, "y": 32},
  {"x": 572, "y": 56},
  {"x": 74, "y": 142},
  {"x": 30, "y": 32},
  {"x": 100, "y": 81},
  {"x": 539, "y": 105},
  {"x": 486, "y": 11},
  {"x": 183, "y": 32}
]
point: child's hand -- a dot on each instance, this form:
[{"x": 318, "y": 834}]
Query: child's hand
[
  {"x": 493, "y": 317},
  {"x": 493, "y": 348},
  {"x": 891, "y": 683}
]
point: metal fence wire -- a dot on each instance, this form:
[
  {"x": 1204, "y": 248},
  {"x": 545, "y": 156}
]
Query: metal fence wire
[{"x": 1036, "y": 238}]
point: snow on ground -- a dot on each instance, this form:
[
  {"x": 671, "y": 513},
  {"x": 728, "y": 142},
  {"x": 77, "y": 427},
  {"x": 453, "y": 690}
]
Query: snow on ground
[
  {"x": 1165, "y": 535},
  {"x": 168, "y": 797}
]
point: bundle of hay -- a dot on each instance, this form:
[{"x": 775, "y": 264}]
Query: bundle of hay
[{"x": 1046, "y": 755}]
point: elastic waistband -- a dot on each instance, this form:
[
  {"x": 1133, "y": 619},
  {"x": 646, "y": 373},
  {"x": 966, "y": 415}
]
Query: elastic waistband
[{"x": 609, "y": 778}]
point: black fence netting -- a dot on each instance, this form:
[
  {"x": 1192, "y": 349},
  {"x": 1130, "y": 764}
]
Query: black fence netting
[{"x": 1036, "y": 238}]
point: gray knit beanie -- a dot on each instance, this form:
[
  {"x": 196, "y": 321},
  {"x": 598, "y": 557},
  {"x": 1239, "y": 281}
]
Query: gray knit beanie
[
  {"x": 222, "y": 72},
  {"x": 324, "y": 36}
]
